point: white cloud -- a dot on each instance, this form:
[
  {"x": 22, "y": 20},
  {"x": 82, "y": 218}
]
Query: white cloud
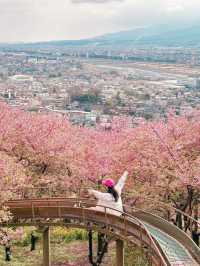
[
  {"x": 33, "y": 20},
  {"x": 94, "y": 1}
]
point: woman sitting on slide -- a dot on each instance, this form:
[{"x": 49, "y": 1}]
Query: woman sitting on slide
[{"x": 111, "y": 198}]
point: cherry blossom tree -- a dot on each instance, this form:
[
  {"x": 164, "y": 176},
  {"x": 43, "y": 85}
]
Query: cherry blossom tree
[{"x": 45, "y": 150}]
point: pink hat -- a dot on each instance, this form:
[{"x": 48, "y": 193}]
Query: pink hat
[{"x": 108, "y": 182}]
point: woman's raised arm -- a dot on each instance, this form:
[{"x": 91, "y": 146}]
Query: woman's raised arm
[{"x": 121, "y": 182}]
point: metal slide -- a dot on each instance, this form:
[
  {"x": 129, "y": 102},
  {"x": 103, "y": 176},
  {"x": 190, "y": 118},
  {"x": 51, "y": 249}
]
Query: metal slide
[{"x": 167, "y": 245}]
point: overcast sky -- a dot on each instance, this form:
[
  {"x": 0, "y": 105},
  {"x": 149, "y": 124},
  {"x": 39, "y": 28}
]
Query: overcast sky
[{"x": 41, "y": 20}]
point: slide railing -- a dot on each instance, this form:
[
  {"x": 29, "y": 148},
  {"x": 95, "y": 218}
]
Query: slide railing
[
  {"x": 160, "y": 217},
  {"x": 78, "y": 212}
]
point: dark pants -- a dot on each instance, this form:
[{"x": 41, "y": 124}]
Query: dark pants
[
  {"x": 7, "y": 253},
  {"x": 195, "y": 237}
]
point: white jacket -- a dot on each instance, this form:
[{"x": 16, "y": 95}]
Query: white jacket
[{"x": 106, "y": 199}]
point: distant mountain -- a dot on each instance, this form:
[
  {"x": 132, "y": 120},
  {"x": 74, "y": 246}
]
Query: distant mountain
[
  {"x": 154, "y": 36},
  {"x": 181, "y": 37},
  {"x": 135, "y": 34},
  {"x": 160, "y": 35}
]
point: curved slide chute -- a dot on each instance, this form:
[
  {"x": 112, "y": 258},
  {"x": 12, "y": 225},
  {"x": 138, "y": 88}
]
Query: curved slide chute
[{"x": 164, "y": 243}]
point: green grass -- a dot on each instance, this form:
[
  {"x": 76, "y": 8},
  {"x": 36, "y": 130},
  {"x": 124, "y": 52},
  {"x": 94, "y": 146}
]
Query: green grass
[
  {"x": 69, "y": 247},
  {"x": 21, "y": 256},
  {"x": 135, "y": 257},
  {"x": 61, "y": 234},
  {"x": 60, "y": 253}
]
